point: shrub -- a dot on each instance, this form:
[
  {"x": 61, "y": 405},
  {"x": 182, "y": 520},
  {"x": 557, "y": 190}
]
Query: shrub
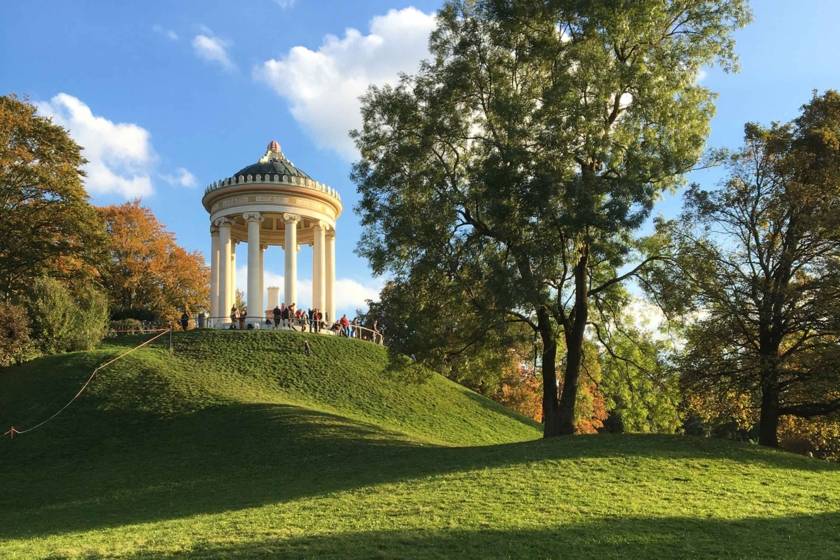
[
  {"x": 91, "y": 320},
  {"x": 127, "y": 326},
  {"x": 63, "y": 323},
  {"x": 15, "y": 344},
  {"x": 138, "y": 314},
  {"x": 819, "y": 437},
  {"x": 51, "y": 311}
]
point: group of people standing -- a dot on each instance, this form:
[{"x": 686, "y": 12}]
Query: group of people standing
[
  {"x": 354, "y": 329},
  {"x": 311, "y": 320},
  {"x": 288, "y": 316},
  {"x": 237, "y": 317}
]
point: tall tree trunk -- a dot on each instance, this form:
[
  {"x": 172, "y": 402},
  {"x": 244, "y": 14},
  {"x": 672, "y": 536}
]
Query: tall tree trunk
[
  {"x": 574, "y": 345},
  {"x": 551, "y": 412},
  {"x": 768, "y": 423},
  {"x": 769, "y": 341},
  {"x": 771, "y": 332}
]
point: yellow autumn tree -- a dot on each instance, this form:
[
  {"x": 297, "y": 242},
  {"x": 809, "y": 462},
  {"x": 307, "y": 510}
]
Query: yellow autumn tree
[{"x": 148, "y": 275}]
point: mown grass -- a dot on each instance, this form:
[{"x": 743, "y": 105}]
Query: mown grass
[{"x": 241, "y": 446}]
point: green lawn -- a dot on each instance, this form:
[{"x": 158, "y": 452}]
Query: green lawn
[{"x": 242, "y": 446}]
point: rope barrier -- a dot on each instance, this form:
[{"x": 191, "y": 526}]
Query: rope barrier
[
  {"x": 12, "y": 431},
  {"x": 137, "y": 331}
]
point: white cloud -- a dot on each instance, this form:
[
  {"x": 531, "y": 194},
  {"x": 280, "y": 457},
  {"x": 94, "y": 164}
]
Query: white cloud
[
  {"x": 285, "y": 4},
  {"x": 168, "y": 33},
  {"x": 646, "y": 316},
  {"x": 182, "y": 177},
  {"x": 120, "y": 155},
  {"x": 323, "y": 86},
  {"x": 349, "y": 294},
  {"x": 213, "y": 49}
]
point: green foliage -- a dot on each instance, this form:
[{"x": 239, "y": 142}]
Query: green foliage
[
  {"x": 48, "y": 226},
  {"x": 15, "y": 344},
  {"x": 65, "y": 322},
  {"x": 758, "y": 277},
  {"x": 590, "y": 408},
  {"x": 52, "y": 312},
  {"x": 91, "y": 320},
  {"x": 426, "y": 318},
  {"x": 641, "y": 389},
  {"x": 521, "y": 159},
  {"x": 240, "y": 446}
]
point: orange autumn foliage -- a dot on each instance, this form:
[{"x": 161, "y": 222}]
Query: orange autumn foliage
[
  {"x": 148, "y": 275},
  {"x": 520, "y": 389}
]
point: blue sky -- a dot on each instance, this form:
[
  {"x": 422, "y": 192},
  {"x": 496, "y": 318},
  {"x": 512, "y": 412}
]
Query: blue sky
[{"x": 169, "y": 96}]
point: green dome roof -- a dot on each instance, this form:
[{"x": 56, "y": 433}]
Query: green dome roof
[
  {"x": 272, "y": 169},
  {"x": 281, "y": 167},
  {"x": 273, "y": 162}
]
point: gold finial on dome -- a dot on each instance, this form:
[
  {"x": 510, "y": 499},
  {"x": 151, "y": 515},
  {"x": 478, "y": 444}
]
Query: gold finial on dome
[{"x": 274, "y": 146}]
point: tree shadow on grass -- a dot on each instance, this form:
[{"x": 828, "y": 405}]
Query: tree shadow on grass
[
  {"x": 132, "y": 470},
  {"x": 804, "y": 537}
]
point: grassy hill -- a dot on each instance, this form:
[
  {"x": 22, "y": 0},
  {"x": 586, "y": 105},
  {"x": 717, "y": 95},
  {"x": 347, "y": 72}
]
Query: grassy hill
[{"x": 241, "y": 445}]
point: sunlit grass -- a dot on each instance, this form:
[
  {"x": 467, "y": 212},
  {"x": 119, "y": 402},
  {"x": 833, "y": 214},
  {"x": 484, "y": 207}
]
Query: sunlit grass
[{"x": 240, "y": 445}]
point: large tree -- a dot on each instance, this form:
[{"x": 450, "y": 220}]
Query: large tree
[
  {"x": 522, "y": 157},
  {"x": 47, "y": 225},
  {"x": 759, "y": 270},
  {"x": 147, "y": 274}
]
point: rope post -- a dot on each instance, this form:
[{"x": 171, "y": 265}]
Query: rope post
[{"x": 171, "y": 350}]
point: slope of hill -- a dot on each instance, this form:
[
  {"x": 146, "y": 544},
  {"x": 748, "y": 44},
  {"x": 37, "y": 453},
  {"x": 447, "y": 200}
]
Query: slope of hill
[{"x": 241, "y": 445}]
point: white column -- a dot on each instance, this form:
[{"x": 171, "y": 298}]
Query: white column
[
  {"x": 232, "y": 275},
  {"x": 329, "y": 283},
  {"x": 225, "y": 246},
  {"x": 262, "y": 281},
  {"x": 318, "y": 262},
  {"x": 254, "y": 302},
  {"x": 290, "y": 249},
  {"x": 214, "y": 273}
]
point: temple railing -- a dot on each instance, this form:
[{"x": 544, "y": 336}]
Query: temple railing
[
  {"x": 273, "y": 178},
  {"x": 353, "y": 331}
]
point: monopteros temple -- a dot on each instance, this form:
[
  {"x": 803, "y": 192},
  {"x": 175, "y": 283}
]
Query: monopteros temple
[{"x": 271, "y": 202}]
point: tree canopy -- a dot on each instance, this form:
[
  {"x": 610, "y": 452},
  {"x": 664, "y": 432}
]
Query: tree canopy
[
  {"x": 522, "y": 157},
  {"x": 759, "y": 271},
  {"x": 48, "y": 226},
  {"x": 147, "y": 274}
]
